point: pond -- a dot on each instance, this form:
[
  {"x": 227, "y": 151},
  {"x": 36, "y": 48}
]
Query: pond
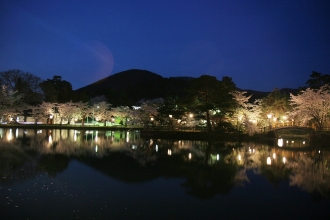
[{"x": 90, "y": 174}]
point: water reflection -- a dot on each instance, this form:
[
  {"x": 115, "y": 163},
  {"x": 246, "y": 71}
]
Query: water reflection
[
  {"x": 207, "y": 168},
  {"x": 293, "y": 142}
]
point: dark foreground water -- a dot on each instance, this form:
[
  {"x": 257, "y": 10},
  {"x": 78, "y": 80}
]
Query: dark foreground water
[{"x": 68, "y": 174}]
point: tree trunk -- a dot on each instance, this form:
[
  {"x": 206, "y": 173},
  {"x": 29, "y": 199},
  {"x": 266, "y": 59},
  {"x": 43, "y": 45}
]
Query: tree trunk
[
  {"x": 208, "y": 122},
  {"x": 83, "y": 121}
]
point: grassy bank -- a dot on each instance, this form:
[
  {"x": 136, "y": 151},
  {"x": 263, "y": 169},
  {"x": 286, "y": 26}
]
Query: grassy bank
[{"x": 69, "y": 126}]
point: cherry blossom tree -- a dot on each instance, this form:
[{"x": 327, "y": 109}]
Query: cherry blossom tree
[
  {"x": 44, "y": 110},
  {"x": 83, "y": 111},
  {"x": 101, "y": 111},
  {"x": 123, "y": 112},
  {"x": 246, "y": 115},
  {"x": 147, "y": 112},
  {"x": 311, "y": 106},
  {"x": 68, "y": 111}
]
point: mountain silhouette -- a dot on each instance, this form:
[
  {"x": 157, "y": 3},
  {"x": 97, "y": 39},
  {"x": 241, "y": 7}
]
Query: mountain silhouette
[
  {"x": 127, "y": 88},
  {"x": 130, "y": 86}
]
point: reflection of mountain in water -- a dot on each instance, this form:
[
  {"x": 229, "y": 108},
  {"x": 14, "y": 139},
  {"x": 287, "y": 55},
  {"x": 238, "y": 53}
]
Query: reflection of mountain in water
[{"x": 207, "y": 168}]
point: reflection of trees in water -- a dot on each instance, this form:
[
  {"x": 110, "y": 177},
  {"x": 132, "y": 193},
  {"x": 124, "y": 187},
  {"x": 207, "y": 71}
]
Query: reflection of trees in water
[
  {"x": 208, "y": 168},
  {"x": 206, "y": 181},
  {"x": 142, "y": 152},
  {"x": 272, "y": 166},
  {"x": 312, "y": 173},
  {"x": 53, "y": 164},
  {"x": 16, "y": 164}
]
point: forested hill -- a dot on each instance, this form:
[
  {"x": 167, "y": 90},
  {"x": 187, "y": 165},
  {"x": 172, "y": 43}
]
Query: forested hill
[{"x": 128, "y": 87}]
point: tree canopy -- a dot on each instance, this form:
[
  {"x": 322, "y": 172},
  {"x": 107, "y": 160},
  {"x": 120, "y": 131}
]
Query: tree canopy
[
  {"x": 317, "y": 80},
  {"x": 57, "y": 90}
]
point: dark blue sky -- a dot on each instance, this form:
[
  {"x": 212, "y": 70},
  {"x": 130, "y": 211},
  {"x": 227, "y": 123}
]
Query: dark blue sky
[{"x": 261, "y": 44}]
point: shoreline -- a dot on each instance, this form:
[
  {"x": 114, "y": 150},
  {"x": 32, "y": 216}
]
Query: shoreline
[{"x": 317, "y": 138}]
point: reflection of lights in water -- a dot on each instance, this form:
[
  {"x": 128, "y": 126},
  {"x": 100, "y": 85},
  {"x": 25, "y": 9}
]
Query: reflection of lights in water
[
  {"x": 319, "y": 151},
  {"x": 75, "y": 135},
  {"x": 169, "y": 152},
  {"x": 127, "y": 137},
  {"x": 269, "y": 161},
  {"x": 239, "y": 157},
  {"x": 280, "y": 142},
  {"x": 287, "y": 142},
  {"x": 249, "y": 150},
  {"x": 39, "y": 131},
  {"x": 303, "y": 142},
  {"x": 274, "y": 156},
  {"x": 134, "y": 146},
  {"x": 50, "y": 139},
  {"x": 189, "y": 156},
  {"x": 292, "y": 142},
  {"x": 96, "y": 148},
  {"x": 218, "y": 157},
  {"x": 156, "y": 148},
  {"x": 16, "y": 133},
  {"x": 96, "y": 136},
  {"x": 284, "y": 159},
  {"x": 10, "y": 135}
]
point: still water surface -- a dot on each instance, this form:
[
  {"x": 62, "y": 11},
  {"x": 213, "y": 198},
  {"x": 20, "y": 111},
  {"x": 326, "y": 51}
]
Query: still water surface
[{"x": 71, "y": 174}]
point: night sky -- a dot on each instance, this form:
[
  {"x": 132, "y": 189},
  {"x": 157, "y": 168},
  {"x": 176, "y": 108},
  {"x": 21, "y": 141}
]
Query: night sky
[{"x": 261, "y": 44}]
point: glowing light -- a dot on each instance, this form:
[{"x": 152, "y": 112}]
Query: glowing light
[
  {"x": 303, "y": 142},
  {"x": 284, "y": 160},
  {"x": 239, "y": 157},
  {"x": 169, "y": 152},
  {"x": 156, "y": 148},
  {"x": 170, "y": 116},
  {"x": 96, "y": 148},
  {"x": 269, "y": 161},
  {"x": 218, "y": 157},
  {"x": 274, "y": 156},
  {"x": 75, "y": 136},
  {"x": 10, "y": 135},
  {"x": 96, "y": 136},
  {"x": 191, "y": 115},
  {"x": 189, "y": 156},
  {"x": 280, "y": 142},
  {"x": 50, "y": 139}
]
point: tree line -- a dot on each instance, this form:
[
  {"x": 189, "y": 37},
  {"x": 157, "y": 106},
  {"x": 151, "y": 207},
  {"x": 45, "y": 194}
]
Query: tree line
[{"x": 207, "y": 103}]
